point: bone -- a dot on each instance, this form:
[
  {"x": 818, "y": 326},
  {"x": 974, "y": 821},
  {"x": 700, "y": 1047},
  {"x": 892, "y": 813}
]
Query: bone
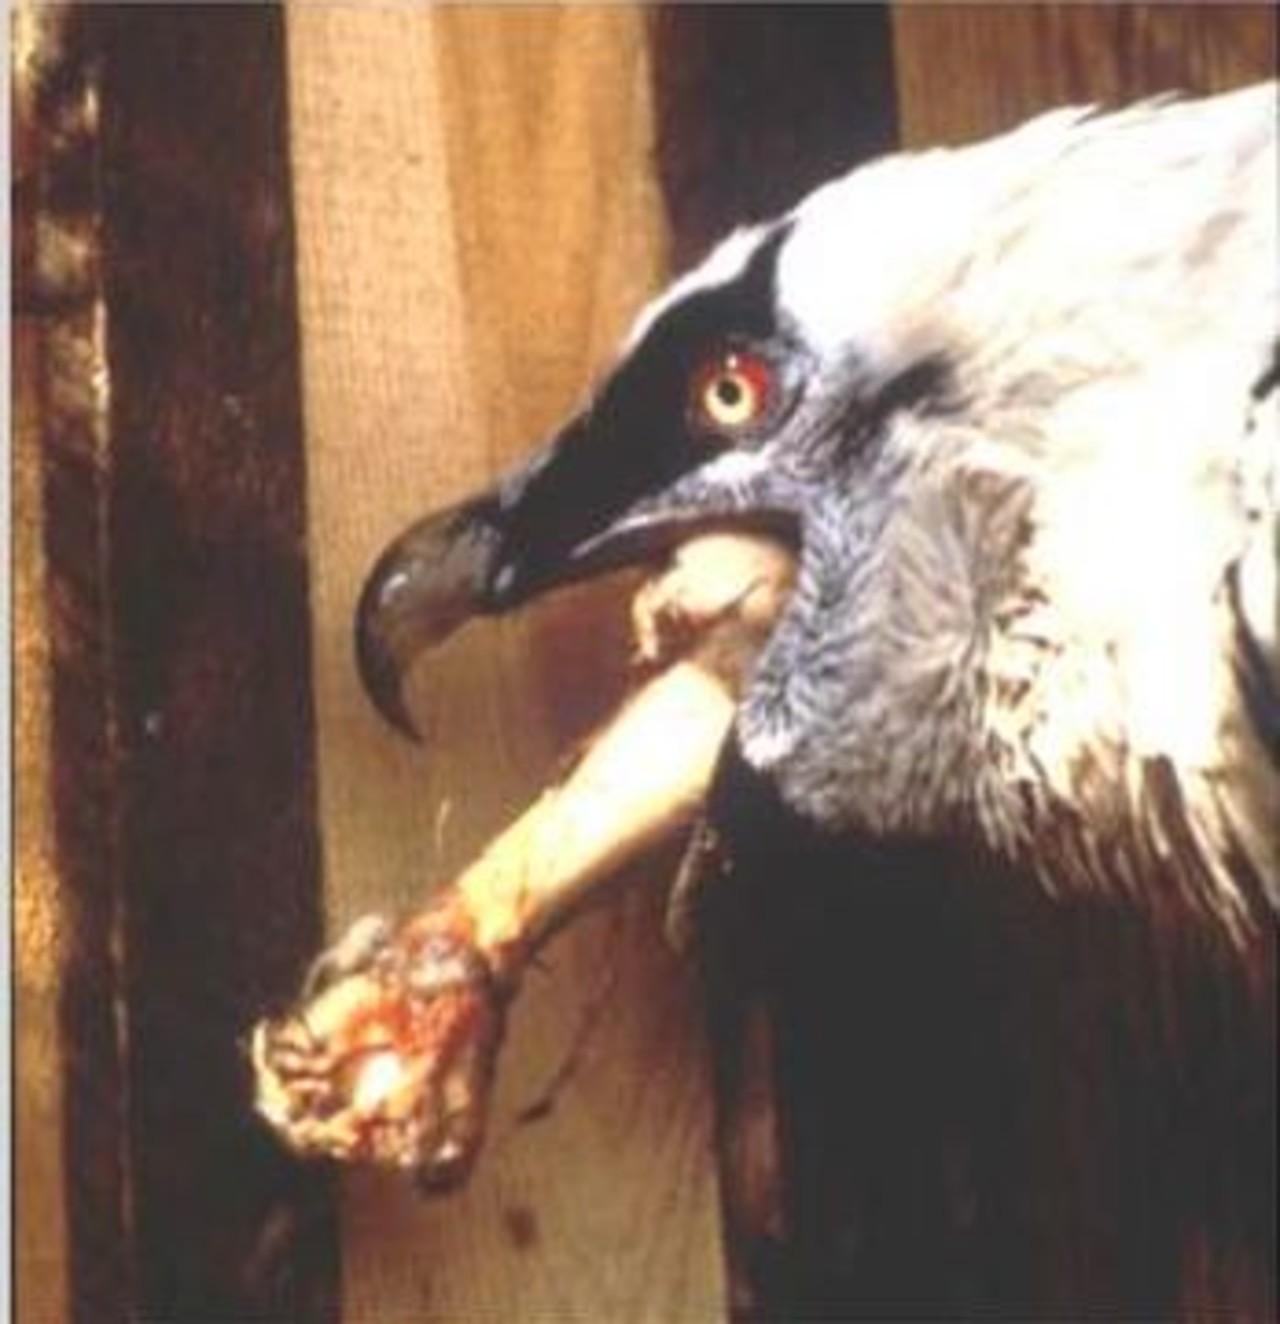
[{"x": 645, "y": 774}]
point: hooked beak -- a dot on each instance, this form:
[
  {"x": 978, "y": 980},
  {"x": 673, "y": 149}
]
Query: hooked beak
[
  {"x": 575, "y": 510},
  {"x": 427, "y": 583}
]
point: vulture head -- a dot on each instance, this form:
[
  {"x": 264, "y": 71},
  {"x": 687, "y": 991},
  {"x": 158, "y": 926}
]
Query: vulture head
[{"x": 1014, "y": 406}]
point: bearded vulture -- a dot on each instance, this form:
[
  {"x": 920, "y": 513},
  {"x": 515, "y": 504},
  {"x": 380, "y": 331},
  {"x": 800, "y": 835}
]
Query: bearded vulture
[{"x": 1014, "y": 406}]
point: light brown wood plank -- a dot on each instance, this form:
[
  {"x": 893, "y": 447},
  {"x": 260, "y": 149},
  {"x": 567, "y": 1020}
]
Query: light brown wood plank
[
  {"x": 965, "y": 70},
  {"x": 475, "y": 224}
]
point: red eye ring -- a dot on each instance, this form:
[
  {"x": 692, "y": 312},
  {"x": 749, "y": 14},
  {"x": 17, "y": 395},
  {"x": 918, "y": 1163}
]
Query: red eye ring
[{"x": 732, "y": 391}]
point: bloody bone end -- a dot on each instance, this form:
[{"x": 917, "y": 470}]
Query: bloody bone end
[{"x": 389, "y": 1058}]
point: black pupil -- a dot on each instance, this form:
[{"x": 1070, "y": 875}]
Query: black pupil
[{"x": 729, "y": 392}]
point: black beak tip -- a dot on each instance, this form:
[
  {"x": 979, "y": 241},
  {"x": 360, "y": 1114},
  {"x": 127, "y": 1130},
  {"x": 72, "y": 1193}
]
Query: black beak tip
[
  {"x": 430, "y": 581},
  {"x": 380, "y": 673}
]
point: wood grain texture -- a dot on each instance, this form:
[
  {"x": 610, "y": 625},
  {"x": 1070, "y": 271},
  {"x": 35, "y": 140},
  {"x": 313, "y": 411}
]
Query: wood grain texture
[
  {"x": 475, "y": 224},
  {"x": 966, "y": 70}
]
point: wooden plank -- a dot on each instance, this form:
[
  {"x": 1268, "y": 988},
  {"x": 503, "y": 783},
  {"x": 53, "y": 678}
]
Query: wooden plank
[
  {"x": 475, "y": 222},
  {"x": 210, "y": 836},
  {"x": 968, "y": 70}
]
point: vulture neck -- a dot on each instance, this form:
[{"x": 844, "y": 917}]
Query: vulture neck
[{"x": 868, "y": 709}]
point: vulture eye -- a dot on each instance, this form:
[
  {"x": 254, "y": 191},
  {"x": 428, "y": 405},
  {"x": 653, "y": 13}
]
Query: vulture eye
[{"x": 733, "y": 391}]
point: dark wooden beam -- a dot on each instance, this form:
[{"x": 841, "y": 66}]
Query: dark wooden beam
[
  {"x": 756, "y": 104},
  {"x": 218, "y": 841},
  {"x": 174, "y": 517}
]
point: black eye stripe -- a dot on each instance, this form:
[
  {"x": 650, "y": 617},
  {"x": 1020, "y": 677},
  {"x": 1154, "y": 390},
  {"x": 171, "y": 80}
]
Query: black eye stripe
[{"x": 656, "y": 373}]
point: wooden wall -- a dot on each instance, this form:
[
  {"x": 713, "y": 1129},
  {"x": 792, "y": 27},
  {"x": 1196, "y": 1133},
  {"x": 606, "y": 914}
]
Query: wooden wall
[{"x": 286, "y": 278}]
